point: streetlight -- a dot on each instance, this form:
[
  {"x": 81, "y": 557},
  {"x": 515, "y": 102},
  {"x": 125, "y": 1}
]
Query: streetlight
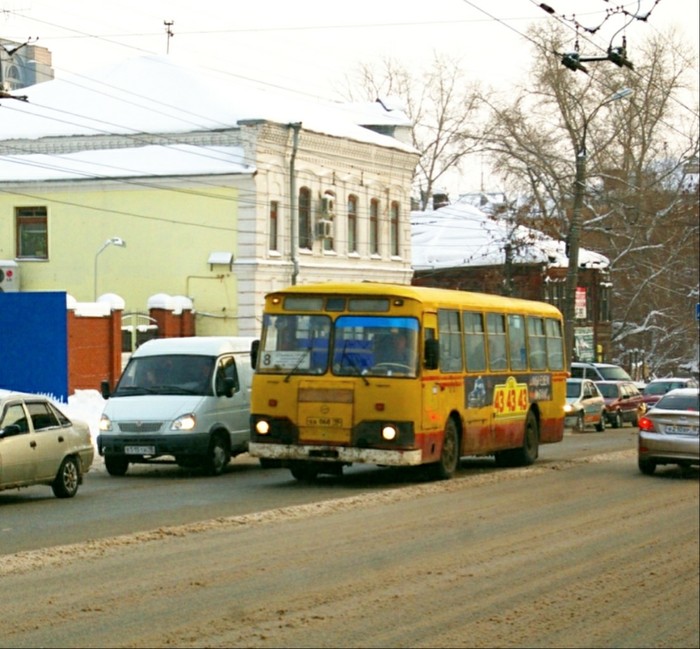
[
  {"x": 575, "y": 227},
  {"x": 114, "y": 241}
]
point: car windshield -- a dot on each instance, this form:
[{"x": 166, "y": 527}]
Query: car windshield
[
  {"x": 690, "y": 402},
  {"x": 608, "y": 390},
  {"x": 614, "y": 373},
  {"x": 661, "y": 387}
]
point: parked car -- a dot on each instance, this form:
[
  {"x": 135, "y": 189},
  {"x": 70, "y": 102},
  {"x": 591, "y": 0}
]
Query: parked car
[
  {"x": 623, "y": 402},
  {"x": 655, "y": 389},
  {"x": 668, "y": 433},
  {"x": 584, "y": 405},
  {"x": 183, "y": 400},
  {"x": 39, "y": 445},
  {"x": 598, "y": 372}
]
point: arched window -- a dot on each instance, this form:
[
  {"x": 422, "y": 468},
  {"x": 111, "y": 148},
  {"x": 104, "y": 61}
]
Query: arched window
[
  {"x": 394, "y": 229},
  {"x": 374, "y": 227},
  {"x": 305, "y": 240},
  {"x": 352, "y": 223}
]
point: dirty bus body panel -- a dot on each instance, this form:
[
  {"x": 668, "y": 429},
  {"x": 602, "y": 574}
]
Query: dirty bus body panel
[{"x": 402, "y": 376}]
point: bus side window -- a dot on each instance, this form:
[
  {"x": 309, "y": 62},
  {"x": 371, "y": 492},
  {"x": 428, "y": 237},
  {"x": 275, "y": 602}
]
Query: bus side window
[
  {"x": 516, "y": 341},
  {"x": 555, "y": 344},
  {"x": 450, "y": 336},
  {"x": 496, "y": 330},
  {"x": 474, "y": 342},
  {"x": 537, "y": 343}
]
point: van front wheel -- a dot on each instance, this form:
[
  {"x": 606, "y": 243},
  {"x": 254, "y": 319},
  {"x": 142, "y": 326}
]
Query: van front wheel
[{"x": 218, "y": 455}]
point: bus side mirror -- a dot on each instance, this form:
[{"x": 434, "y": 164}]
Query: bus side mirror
[
  {"x": 254, "y": 347},
  {"x": 431, "y": 354}
]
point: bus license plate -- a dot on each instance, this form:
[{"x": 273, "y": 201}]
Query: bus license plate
[
  {"x": 140, "y": 450},
  {"x": 328, "y": 422}
]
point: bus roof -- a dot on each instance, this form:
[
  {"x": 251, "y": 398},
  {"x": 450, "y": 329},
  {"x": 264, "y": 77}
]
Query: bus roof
[{"x": 427, "y": 295}]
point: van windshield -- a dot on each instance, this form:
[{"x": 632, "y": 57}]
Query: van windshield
[{"x": 167, "y": 374}]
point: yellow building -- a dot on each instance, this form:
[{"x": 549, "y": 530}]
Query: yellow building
[{"x": 122, "y": 182}]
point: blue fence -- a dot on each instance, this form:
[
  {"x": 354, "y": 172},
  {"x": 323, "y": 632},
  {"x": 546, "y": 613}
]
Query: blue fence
[{"x": 34, "y": 343}]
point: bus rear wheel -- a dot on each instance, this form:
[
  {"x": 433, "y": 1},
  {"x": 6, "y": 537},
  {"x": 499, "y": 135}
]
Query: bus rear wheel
[
  {"x": 528, "y": 452},
  {"x": 446, "y": 466}
]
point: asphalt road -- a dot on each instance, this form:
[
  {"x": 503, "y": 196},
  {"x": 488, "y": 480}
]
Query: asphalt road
[
  {"x": 150, "y": 496},
  {"x": 580, "y": 550}
]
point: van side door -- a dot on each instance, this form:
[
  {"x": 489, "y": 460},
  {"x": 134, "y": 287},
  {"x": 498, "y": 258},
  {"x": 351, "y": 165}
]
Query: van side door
[{"x": 234, "y": 410}]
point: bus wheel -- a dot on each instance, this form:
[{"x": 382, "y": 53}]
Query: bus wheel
[
  {"x": 446, "y": 466},
  {"x": 528, "y": 452},
  {"x": 304, "y": 471}
]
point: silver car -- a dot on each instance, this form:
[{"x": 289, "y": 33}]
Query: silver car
[
  {"x": 584, "y": 405},
  {"x": 668, "y": 432},
  {"x": 39, "y": 445}
]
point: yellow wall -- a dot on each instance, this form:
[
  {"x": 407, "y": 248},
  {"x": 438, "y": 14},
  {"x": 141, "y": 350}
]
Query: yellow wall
[{"x": 169, "y": 235}]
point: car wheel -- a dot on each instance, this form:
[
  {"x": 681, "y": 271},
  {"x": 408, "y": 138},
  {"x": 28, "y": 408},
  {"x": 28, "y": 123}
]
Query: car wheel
[
  {"x": 67, "y": 480},
  {"x": 218, "y": 456},
  {"x": 116, "y": 465},
  {"x": 580, "y": 422},
  {"x": 616, "y": 419},
  {"x": 446, "y": 466},
  {"x": 647, "y": 467},
  {"x": 600, "y": 426}
]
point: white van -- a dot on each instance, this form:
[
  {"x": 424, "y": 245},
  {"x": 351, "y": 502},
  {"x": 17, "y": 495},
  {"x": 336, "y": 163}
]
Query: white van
[{"x": 182, "y": 399}]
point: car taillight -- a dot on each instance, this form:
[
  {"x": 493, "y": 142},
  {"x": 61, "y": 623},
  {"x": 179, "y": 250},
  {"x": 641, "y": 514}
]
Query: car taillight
[{"x": 645, "y": 423}]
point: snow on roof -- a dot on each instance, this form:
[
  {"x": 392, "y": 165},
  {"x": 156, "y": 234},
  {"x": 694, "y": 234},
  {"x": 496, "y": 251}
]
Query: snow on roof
[
  {"x": 461, "y": 235},
  {"x": 157, "y": 94},
  {"x": 170, "y": 160}
]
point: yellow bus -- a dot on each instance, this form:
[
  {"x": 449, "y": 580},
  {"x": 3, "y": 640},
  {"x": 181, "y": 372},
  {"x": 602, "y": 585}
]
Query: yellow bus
[{"x": 402, "y": 376}]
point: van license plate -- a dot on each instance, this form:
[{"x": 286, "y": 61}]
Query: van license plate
[{"x": 140, "y": 450}]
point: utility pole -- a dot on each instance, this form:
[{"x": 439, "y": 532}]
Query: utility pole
[
  {"x": 169, "y": 33},
  {"x": 574, "y": 235}
]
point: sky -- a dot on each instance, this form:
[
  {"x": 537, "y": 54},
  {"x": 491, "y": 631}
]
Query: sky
[{"x": 312, "y": 45}]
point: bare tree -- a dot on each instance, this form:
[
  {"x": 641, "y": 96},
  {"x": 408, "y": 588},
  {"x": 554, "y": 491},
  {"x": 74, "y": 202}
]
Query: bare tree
[
  {"x": 444, "y": 110},
  {"x": 637, "y": 209}
]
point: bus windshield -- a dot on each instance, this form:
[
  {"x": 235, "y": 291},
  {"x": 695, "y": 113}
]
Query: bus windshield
[
  {"x": 369, "y": 345},
  {"x": 375, "y": 345}
]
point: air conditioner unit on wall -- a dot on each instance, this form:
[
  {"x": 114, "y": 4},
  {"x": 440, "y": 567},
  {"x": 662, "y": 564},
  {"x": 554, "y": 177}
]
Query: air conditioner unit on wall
[
  {"x": 324, "y": 229},
  {"x": 9, "y": 276},
  {"x": 328, "y": 205}
]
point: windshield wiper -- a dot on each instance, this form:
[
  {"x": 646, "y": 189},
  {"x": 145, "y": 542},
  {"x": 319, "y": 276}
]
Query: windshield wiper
[
  {"x": 352, "y": 362},
  {"x": 302, "y": 357}
]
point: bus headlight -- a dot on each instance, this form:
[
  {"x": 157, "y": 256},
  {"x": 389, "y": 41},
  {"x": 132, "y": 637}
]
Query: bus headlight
[
  {"x": 105, "y": 423},
  {"x": 184, "y": 422},
  {"x": 389, "y": 432},
  {"x": 262, "y": 427}
]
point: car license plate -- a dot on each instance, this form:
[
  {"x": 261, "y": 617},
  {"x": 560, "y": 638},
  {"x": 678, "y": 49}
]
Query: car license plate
[
  {"x": 680, "y": 430},
  {"x": 140, "y": 450}
]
